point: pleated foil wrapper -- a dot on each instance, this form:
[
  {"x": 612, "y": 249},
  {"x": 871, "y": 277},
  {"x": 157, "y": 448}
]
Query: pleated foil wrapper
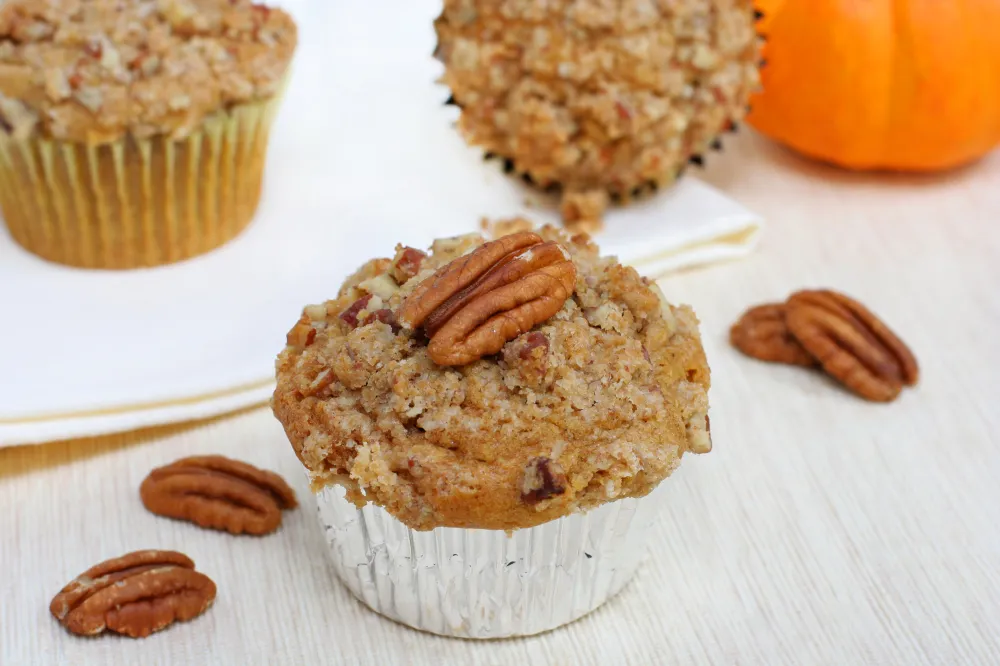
[{"x": 472, "y": 583}]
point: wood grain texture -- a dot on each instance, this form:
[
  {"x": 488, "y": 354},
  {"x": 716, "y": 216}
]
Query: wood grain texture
[{"x": 821, "y": 530}]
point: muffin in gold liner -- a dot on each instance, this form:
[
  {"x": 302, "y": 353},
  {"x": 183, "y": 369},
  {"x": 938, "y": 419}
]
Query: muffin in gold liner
[
  {"x": 135, "y": 133},
  {"x": 136, "y": 202}
]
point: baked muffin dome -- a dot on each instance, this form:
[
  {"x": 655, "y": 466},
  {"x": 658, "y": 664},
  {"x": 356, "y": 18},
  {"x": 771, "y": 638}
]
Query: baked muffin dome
[
  {"x": 93, "y": 71},
  {"x": 596, "y": 403},
  {"x": 603, "y": 99}
]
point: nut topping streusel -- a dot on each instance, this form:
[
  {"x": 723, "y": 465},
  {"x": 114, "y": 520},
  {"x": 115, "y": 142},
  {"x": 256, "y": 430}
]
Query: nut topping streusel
[
  {"x": 95, "y": 70},
  {"x": 596, "y": 402},
  {"x": 598, "y": 97}
]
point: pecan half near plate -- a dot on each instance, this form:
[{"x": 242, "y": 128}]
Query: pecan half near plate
[
  {"x": 762, "y": 333},
  {"x": 218, "y": 493},
  {"x": 472, "y": 306},
  {"x": 852, "y": 344},
  {"x": 135, "y": 594}
]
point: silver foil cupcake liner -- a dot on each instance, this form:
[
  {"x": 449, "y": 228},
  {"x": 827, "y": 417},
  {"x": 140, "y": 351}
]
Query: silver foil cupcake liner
[{"x": 474, "y": 583}]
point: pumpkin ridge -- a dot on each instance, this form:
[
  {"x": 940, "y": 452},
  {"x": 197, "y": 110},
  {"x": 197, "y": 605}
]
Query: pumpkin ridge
[
  {"x": 899, "y": 100},
  {"x": 893, "y": 85}
]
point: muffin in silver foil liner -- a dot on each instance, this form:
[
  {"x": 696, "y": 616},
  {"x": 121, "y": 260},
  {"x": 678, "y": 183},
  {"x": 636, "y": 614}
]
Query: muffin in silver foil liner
[{"x": 473, "y": 583}]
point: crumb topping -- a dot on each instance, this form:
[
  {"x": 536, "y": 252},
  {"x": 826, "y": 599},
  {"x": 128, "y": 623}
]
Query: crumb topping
[
  {"x": 597, "y": 403},
  {"x": 598, "y": 97},
  {"x": 93, "y": 71}
]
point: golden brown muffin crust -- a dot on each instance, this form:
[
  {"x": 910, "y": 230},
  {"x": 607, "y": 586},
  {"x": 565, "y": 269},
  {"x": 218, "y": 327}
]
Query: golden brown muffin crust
[
  {"x": 92, "y": 71},
  {"x": 604, "y": 397},
  {"x": 598, "y": 97}
]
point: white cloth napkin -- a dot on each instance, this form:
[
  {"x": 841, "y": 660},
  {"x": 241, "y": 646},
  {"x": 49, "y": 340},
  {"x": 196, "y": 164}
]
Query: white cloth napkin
[{"x": 364, "y": 156}]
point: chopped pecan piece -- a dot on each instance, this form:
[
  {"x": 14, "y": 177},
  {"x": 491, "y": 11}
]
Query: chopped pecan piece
[
  {"x": 406, "y": 263},
  {"x": 384, "y": 315},
  {"x": 218, "y": 493},
  {"x": 472, "y": 306},
  {"x": 319, "y": 383},
  {"x": 302, "y": 334},
  {"x": 762, "y": 333},
  {"x": 699, "y": 433},
  {"x": 536, "y": 345},
  {"x": 136, "y": 594},
  {"x": 543, "y": 479},
  {"x": 529, "y": 355},
  {"x": 350, "y": 315},
  {"x": 262, "y": 12},
  {"x": 382, "y": 285},
  {"x": 852, "y": 344},
  {"x": 94, "y": 48}
]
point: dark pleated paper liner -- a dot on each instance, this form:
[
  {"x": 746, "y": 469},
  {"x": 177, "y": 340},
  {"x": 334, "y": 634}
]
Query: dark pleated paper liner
[{"x": 619, "y": 197}]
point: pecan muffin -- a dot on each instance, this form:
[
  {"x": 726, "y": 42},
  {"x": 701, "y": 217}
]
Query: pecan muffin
[
  {"x": 604, "y": 99},
  {"x": 134, "y": 132},
  {"x": 494, "y": 385}
]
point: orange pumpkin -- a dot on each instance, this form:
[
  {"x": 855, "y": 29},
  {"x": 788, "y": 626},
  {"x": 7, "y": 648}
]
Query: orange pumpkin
[{"x": 910, "y": 85}]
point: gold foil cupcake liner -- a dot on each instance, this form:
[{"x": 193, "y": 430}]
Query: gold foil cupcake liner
[{"x": 136, "y": 202}]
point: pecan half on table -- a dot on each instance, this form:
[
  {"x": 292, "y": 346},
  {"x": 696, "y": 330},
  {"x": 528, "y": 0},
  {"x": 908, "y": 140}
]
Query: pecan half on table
[
  {"x": 835, "y": 332},
  {"x": 218, "y": 493},
  {"x": 135, "y": 595},
  {"x": 472, "y": 306},
  {"x": 852, "y": 344},
  {"x": 762, "y": 333}
]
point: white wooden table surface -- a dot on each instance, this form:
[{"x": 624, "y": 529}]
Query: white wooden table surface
[{"x": 821, "y": 529}]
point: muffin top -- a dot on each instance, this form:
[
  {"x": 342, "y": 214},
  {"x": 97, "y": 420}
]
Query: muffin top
[
  {"x": 496, "y": 385},
  {"x": 93, "y": 71},
  {"x": 605, "y": 99}
]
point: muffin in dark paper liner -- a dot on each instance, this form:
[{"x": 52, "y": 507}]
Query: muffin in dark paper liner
[{"x": 608, "y": 101}]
